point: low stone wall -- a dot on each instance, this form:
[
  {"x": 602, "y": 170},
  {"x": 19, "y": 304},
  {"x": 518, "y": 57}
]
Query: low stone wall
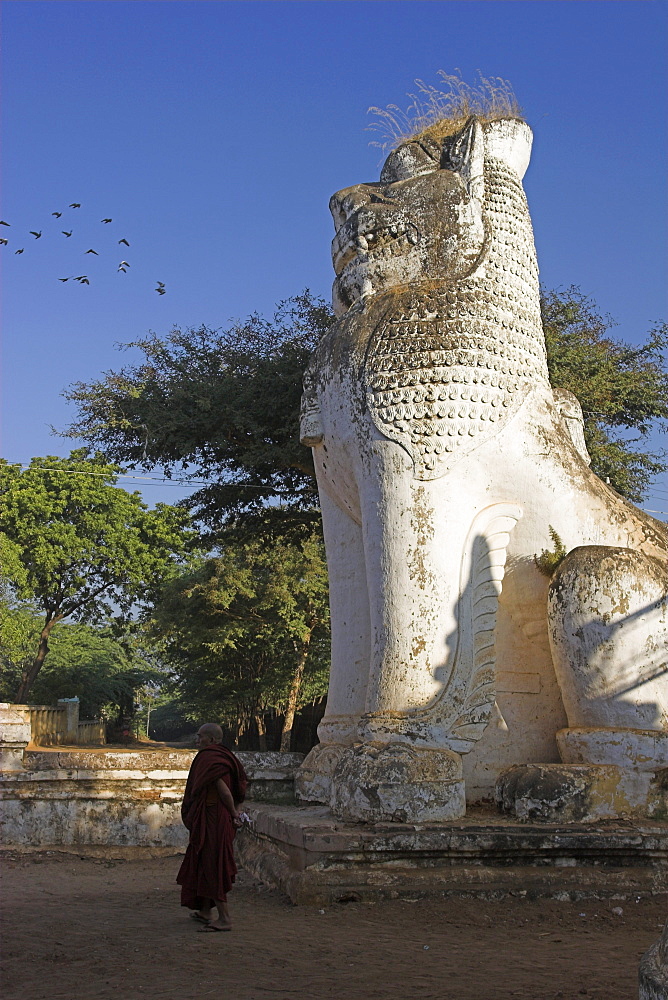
[
  {"x": 130, "y": 798},
  {"x": 91, "y": 733},
  {"x": 14, "y": 735},
  {"x": 46, "y": 725}
]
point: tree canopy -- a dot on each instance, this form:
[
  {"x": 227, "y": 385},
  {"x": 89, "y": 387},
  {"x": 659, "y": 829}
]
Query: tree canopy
[
  {"x": 20, "y": 627},
  {"x": 247, "y": 632},
  {"x": 80, "y": 548},
  {"x": 622, "y": 388},
  {"x": 223, "y": 405},
  {"x": 102, "y": 670}
]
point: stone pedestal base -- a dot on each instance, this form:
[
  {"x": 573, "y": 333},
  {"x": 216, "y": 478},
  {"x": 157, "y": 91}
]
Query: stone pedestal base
[
  {"x": 653, "y": 974},
  {"x": 381, "y": 782},
  {"x": 313, "y": 781},
  {"x": 317, "y": 859},
  {"x": 397, "y": 783},
  {"x": 582, "y": 793},
  {"x": 643, "y": 749}
]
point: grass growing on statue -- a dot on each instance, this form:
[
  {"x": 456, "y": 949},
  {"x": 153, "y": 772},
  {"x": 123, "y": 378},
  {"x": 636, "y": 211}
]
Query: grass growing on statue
[
  {"x": 436, "y": 112},
  {"x": 100, "y": 927}
]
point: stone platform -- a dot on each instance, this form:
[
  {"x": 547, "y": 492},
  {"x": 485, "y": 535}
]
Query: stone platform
[{"x": 316, "y": 859}]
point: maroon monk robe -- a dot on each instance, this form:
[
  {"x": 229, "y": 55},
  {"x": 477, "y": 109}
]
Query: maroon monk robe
[{"x": 208, "y": 869}]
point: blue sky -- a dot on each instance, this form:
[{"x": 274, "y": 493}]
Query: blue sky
[{"x": 213, "y": 134}]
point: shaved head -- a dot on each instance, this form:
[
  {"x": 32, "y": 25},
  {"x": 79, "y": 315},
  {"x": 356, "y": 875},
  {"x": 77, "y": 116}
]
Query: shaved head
[{"x": 211, "y": 731}]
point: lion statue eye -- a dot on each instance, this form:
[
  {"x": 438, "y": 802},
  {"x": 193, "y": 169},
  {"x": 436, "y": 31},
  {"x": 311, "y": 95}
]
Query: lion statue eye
[{"x": 410, "y": 160}]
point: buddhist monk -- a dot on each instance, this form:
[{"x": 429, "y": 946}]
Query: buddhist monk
[{"x": 216, "y": 786}]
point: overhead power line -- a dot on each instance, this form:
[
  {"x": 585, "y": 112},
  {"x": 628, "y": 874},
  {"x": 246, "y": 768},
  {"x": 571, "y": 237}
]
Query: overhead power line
[
  {"x": 182, "y": 483},
  {"x": 188, "y": 483}
]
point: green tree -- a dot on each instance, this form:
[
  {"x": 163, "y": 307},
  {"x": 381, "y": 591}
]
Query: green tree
[
  {"x": 81, "y": 548},
  {"x": 104, "y": 671},
  {"x": 19, "y": 635},
  {"x": 223, "y": 405},
  {"x": 623, "y": 389},
  {"x": 248, "y": 632}
]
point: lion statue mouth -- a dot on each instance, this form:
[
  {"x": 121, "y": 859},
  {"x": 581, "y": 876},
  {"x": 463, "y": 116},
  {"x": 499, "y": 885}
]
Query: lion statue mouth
[{"x": 363, "y": 238}]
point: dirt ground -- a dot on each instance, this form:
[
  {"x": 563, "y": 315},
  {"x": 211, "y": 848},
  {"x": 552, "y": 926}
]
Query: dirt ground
[{"x": 89, "y": 928}]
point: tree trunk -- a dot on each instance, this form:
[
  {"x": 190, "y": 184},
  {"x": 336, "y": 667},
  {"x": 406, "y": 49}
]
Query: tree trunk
[
  {"x": 30, "y": 671},
  {"x": 261, "y": 731},
  {"x": 288, "y": 722}
]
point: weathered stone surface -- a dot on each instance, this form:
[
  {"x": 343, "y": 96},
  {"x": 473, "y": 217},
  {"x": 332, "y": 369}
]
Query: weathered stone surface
[
  {"x": 14, "y": 725},
  {"x": 645, "y": 749},
  {"x": 14, "y": 736},
  {"x": 11, "y": 758},
  {"x": 582, "y": 793},
  {"x": 653, "y": 973},
  {"x": 71, "y": 706},
  {"x": 269, "y": 765},
  {"x": 377, "y": 782},
  {"x": 92, "y": 807},
  {"x": 108, "y": 760},
  {"x": 318, "y": 859},
  {"x": 608, "y": 620},
  {"x": 117, "y": 797},
  {"x": 443, "y": 458},
  {"x": 313, "y": 781}
]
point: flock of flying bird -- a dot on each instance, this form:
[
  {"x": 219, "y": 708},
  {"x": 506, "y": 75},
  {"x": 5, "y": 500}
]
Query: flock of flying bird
[{"x": 81, "y": 278}]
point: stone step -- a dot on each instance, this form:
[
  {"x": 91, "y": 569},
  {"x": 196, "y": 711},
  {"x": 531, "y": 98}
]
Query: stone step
[
  {"x": 313, "y": 857},
  {"x": 372, "y": 883}
]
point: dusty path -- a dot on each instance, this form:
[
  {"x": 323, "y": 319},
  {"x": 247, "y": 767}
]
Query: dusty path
[{"x": 80, "y": 928}]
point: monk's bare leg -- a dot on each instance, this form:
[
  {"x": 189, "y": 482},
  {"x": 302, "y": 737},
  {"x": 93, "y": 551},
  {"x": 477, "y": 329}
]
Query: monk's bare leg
[
  {"x": 223, "y": 922},
  {"x": 204, "y": 911}
]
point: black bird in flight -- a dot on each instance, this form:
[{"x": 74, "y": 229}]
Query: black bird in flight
[
  {"x": 161, "y": 288},
  {"x": 36, "y": 235},
  {"x": 64, "y": 279},
  {"x": 5, "y": 223},
  {"x": 92, "y": 251},
  {"x": 83, "y": 279},
  {"x": 58, "y": 215},
  {"x": 66, "y": 234},
  {"x": 124, "y": 263},
  {"x": 106, "y": 220},
  {"x": 19, "y": 251},
  {"x": 3, "y": 243},
  {"x": 75, "y": 204},
  {"x": 124, "y": 241}
]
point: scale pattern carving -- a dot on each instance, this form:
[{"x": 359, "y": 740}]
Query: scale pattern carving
[{"x": 447, "y": 366}]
